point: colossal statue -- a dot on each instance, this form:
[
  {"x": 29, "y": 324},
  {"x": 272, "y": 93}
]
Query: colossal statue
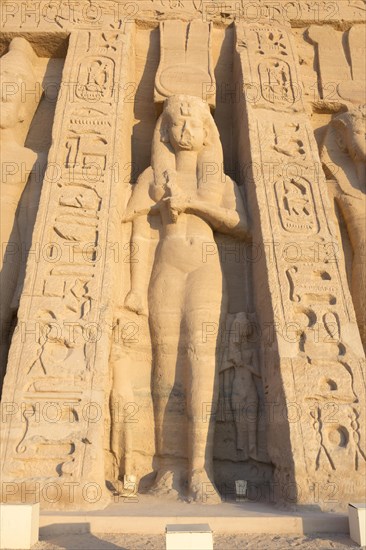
[
  {"x": 18, "y": 163},
  {"x": 344, "y": 160},
  {"x": 185, "y": 290}
]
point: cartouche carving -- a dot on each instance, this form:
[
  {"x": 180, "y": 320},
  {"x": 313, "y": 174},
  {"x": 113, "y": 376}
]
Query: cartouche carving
[{"x": 318, "y": 351}]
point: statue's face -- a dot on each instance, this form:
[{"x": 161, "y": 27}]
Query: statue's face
[
  {"x": 187, "y": 132},
  {"x": 10, "y": 99},
  {"x": 356, "y": 139},
  {"x": 352, "y": 136}
]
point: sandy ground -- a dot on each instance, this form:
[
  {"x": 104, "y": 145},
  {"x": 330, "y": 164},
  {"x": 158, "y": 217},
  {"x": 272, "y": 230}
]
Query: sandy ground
[{"x": 221, "y": 542}]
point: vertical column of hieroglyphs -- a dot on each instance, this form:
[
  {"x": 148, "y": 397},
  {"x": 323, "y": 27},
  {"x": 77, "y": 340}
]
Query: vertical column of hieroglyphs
[
  {"x": 57, "y": 380},
  {"x": 316, "y": 362}
]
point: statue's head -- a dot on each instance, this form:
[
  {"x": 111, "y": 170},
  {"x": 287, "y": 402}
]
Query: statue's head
[
  {"x": 185, "y": 122},
  {"x": 16, "y": 76},
  {"x": 351, "y": 132}
]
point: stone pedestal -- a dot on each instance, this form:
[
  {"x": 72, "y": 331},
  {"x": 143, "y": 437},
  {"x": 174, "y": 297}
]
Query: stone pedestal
[
  {"x": 357, "y": 523},
  {"x": 19, "y": 525},
  {"x": 186, "y": 537}
]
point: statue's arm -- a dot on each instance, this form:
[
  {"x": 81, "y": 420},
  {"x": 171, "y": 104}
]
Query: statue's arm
[
  {"x": 233, "y": 201},
  {"x": 229, "y": 218},
  {"x": 139, "y": 207},
  {"x": 141, "y": 203},
  {"x": 136, "y": 299}
]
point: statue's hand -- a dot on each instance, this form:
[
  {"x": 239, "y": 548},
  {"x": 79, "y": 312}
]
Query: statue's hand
[
  {"x": 172, "y": 184},
  {"x": 177, "y": 205},
  {"x": 171, "y": 180},
  {"x": 135, "y": 303},
  {"x": 128, "y": 217}
]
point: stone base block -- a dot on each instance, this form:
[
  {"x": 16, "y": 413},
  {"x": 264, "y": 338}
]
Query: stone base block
[
  {"x": 189, "y": 537},
  {"x": 148, "y": 514},
  {"x": 19, "y": 525},
  {"x": 357, "y": 522}
]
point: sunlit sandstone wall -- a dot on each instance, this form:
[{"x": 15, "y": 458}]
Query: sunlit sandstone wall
[{"x": 321, "y": 34}]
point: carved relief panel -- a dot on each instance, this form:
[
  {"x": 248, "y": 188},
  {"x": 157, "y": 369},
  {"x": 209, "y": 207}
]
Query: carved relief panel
[
  {"x": 316, "y": 325},
  {"x": 293, "y": 399},
  {"x": 58, "y": 362}
]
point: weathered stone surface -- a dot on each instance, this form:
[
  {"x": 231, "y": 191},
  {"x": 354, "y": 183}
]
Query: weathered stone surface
[
  {"x": 183, "y": 212},
  {"x": 59, "y": 354},
  {"x": 185, "y": 61},
  {"x": 339, "y": 55},
  {"x": 17, "y": 73},
  {"x": 27, "y": 15},
  {"x": 344, "y": 157},
  {"x": 315, "y": 367}
]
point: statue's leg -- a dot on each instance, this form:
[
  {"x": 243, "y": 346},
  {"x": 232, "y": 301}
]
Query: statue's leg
[
  {"x": 168, "y": 387},
  {"x": 8, "y": 282},
  {"x": 353, "y": 212},
  {"x": 358, "y": 283},
  {"x": 244, "y": 400},
  {"x": 205, "y": 305},
  {"x": 251, "y": 413},
  {"x": 121, "y": 431},
  {"x": 239, "y": 391}
]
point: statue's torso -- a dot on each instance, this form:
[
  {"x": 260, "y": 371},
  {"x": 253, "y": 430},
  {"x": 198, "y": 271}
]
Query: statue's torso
[
  {"x": 20, "y": 162},
  {"x": 184, "y": 243}
]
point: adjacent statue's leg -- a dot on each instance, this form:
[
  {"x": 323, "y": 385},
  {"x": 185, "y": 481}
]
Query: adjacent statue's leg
[
  {"x": 204, "y": 308},
  {"x": 122, "y": 431},
  {"x": 168, "y": 387},
  {"x": 353, "y": 212},
  {"x": 358, "y": 283},
  {"x": 8, "y": 281},
  {"x": 244, "y": 401}
]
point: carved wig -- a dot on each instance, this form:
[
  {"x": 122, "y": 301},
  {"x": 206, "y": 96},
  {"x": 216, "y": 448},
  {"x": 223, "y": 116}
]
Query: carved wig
[
  {"x": 210, "y": 158},
  {"x": 17, "y": 67}
]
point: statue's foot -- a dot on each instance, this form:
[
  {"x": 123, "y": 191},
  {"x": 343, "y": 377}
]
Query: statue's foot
[
  {"x": 167, "y": 483},
  {"x": 202, "y": 490}
]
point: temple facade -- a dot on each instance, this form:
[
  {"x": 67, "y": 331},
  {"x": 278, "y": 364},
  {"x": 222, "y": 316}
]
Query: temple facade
[{"x": 183, "y": 229}]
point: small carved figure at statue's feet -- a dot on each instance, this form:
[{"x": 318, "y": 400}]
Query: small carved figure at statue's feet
[
  {"x": 202, "y": 489},
  {"x": 129, "y": 486},
  {"x": 167, "y": 483}
]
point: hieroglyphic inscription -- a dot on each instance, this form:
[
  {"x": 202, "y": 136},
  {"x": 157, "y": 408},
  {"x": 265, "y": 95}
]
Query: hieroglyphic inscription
[
  {"x": 296, "y": 205},
  {"x": 269, "y": 71},
  {"x": 54, "y": 364},
  {"x": 325, "y": 350},
  {"x": 106, "y": 14}
]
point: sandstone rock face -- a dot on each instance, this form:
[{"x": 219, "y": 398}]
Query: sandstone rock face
[
  {"x": 183, "y": 223},
  {"x": 17, "y": 72}
]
